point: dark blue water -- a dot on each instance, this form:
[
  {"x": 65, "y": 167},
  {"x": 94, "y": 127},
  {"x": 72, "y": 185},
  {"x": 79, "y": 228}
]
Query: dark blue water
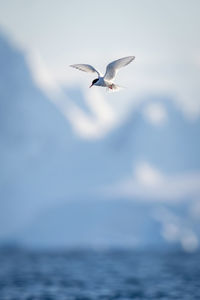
[{"x": 102, "y": 275}]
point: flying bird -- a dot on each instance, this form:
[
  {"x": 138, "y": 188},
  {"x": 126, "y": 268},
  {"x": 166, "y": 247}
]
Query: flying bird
[{"x": 111, "y": 71}]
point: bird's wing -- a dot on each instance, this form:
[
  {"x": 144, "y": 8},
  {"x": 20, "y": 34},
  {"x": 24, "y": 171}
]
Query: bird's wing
[
  {"x": 113, "y": 67},
  {"x": 85, "y": 68}
]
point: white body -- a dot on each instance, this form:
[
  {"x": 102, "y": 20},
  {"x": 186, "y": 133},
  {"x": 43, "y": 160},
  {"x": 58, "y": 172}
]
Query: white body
[
  {"x": 111, "y": 71},
  {"x": 102, "y": 82}
]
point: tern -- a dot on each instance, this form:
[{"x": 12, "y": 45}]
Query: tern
[{"x": 111, "y": 71}]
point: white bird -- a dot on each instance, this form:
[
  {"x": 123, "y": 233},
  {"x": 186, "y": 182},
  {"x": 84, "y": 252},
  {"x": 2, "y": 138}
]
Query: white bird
[{"x": 111, "y": 71}]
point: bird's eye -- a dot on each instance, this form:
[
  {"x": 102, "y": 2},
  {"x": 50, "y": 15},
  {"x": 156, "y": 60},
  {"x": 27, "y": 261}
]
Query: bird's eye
[{"x": 94, "y": 81}]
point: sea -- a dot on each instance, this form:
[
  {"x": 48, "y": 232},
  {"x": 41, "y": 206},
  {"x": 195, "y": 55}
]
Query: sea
[{"x": 89, "y": 274}]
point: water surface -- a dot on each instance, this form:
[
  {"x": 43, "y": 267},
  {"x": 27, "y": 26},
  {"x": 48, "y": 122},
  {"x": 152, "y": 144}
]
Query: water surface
[{"x": 88, "y": 274}]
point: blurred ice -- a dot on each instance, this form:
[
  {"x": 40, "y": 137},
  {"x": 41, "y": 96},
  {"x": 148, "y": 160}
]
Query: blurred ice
[
  {"x": 176, "y": 228},
  {"x": 156, "y": 113},
  {"x": 147, "y": 182}
]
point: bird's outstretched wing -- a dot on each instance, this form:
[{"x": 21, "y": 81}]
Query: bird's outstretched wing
[
  {"x": 85, "y": 68},
  {"x": 113, "y": 67}
]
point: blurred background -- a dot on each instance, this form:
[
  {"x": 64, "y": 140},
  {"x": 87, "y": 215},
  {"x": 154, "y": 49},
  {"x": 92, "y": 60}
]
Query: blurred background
[{"x": 81, "y": 167}]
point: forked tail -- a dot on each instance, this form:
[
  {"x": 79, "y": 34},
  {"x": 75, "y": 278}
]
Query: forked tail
[{"x": 114, "y": 88}]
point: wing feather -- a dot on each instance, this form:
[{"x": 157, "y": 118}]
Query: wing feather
[
  {"x": 113, "y": 67},
  {"x": 85, "y": 68}
]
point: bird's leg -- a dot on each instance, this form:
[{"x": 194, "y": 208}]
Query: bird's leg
[{"x": 111, "y": 86}]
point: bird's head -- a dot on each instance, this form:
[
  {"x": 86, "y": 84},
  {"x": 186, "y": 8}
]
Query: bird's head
[{"x": 94, "y": 81}]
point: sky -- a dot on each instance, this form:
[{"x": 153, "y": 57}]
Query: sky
[{"x": 163, "y": 35}]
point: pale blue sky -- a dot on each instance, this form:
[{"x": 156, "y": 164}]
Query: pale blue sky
[{"x": 163, "y": 35}]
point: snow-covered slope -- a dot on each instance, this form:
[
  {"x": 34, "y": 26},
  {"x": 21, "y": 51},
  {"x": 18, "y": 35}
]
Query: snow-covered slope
[{"x": 158, "y": 132}]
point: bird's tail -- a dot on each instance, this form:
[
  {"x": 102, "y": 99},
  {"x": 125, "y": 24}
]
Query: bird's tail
[{"x": 114, "y": 88}]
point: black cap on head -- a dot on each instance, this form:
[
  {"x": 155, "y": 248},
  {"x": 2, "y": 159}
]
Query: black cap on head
[{"x": 95, "y": 80}]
